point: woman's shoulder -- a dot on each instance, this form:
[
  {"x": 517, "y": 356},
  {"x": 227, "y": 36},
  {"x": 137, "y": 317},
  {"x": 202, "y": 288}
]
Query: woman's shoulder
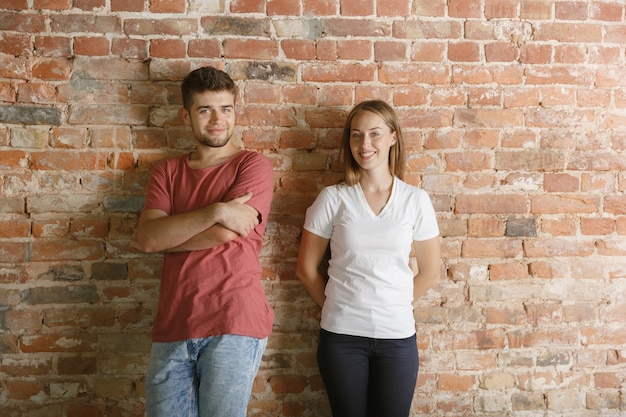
[
  {"x": 411, "y": 191},
  {"x": 405, "y": 186}
]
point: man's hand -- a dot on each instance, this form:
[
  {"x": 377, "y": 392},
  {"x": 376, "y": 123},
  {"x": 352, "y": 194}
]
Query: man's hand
[{"x": 237, "y": 216}]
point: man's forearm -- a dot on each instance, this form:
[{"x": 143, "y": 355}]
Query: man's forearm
[{"x": 210, "y": 238}]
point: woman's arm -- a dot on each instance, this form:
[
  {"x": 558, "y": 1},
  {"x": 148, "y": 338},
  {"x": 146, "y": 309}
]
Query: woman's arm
[
  {"x": 310, "y": 255},
  {"x": 428, "y": 256}
]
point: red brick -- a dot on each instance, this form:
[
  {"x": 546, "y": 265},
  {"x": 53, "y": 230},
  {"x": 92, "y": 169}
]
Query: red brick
[
  {"x": 127, "y": 5},
  {"x": 505, "y": 316},
  {"x": 299, "y": 94},
  {"x": 485, "y": 227},
  {"x": 14, "y": 4},
  {"x": 496, "y": 9},
  {"x": 570, "y": 54},
  {"x": 592, "y": 98},
  {"x": 464, "y": 8},
  {"x": 130, "y": 48},
  {"x": 168, "y": 48},
  {"x": 464, "y": 52},
  {"x": 568, "y": 32},
  {"x": 435, "y": 8},
  {"x": 86, "y": 410},
  {"x": 409, "y": 96},
  {"x": 428, "y": 52},
  {"x": 449, "y": 382},
  {"x": 251, "y": 49},
  {"x": 91, "y": 46},
  {"x": 52, "y": 4},
  {"x": 301, "y": 49},
  {"x": 569, "y": 10},
  {"x": 543, "y": 248},
  {"x": 48, "y": 250},
  {"x": 566, "y": 203},
  {"x": 542, "y": 339},
  {"x": 69, "y": 162},
  {"x": 167, "y": 6},
  {"x": 265, "y": 94},
  {"x": 536, "y": 9},
  {"x": 467, "y": 161},
  {"x": 501, "y": 52},
  {"x": 247, "y": 6},
  {"x": 561, "y": 227},
  {"x": 15, "y": 44},
  {"x": 354, "y": 49},
  {"x": 604, "y": 335},
  {"x": 392, "y": 8},
  {"x": 412, "y": 74},
  {"x": 283, "y": 8},
  {"x": 536, "y": 54},
  {"x": 50, "y": 228},
  {"x": 59, "y": 343},
  {"x": 320, "y": 7},
  {"x": 161, "y": 27},
  {"x": 356, "y": 7},
  {"x": 36, "y": 93},
  {"x": 335, "y": 95},
  {"x": 337, "y": 72},
  {"x": 52, "y": 69},
  {"x": 89, "y": 227},
  {"x": 491, "y": 248},
  {"x": 561, "y": 183},
  {"x": 282, "y": 384},
  {"x": 603, "y": 55},
  {"x": 89, "y": 5},
  {"x": 479, "y": 339},
  {"x": 204, "y": 48},
  {"x": 23, "y": 390},
  {"x": 532, "y": 161},
  {"x": 390, "y": 51},
  {"x": 607, "y": 11}
]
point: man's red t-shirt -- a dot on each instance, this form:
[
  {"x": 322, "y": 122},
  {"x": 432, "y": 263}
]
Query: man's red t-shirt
[{"x": 215, "y": 291}]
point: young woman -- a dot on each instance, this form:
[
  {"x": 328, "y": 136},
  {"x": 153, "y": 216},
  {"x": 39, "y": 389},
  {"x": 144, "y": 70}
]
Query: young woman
[{"x": 367, "y": 352}]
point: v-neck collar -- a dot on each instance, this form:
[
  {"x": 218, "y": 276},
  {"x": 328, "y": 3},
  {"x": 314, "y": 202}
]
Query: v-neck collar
[{"x": 367, "y": 206}]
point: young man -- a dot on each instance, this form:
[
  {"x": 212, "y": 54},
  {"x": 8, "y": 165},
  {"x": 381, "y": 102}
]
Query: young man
[{"x": 207, "y": 212}]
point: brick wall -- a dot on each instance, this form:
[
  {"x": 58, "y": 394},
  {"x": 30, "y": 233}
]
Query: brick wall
[{"x": 515, "y": 114}]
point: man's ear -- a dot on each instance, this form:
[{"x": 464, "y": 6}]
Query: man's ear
[{"x": 184, "y": 114}]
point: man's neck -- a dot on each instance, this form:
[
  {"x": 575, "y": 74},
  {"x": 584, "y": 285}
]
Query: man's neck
[{"x": 205, "y": 156}]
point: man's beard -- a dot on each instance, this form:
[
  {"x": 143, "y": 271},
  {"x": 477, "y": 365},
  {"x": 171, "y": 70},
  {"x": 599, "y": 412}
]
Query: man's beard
[{"x": 213, "y": 142}]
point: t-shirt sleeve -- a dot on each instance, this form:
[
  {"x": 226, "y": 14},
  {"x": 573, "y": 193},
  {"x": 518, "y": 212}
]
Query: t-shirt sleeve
[
  {"x": 320, "y": 215},
  {"x": 426, "y": 226},
  {"x": 255, "y": 175},
  {"x": 158, "y": 195}
]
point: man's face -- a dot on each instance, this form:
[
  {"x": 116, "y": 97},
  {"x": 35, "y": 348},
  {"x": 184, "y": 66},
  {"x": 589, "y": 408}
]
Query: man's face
[{"x": 211, "y": 117}]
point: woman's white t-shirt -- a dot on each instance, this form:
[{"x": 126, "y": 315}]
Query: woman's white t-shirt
[{"x": 370, "y": 288}]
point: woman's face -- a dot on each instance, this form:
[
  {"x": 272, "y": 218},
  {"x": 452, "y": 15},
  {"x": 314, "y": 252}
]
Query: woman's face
[{"x": 370, "y": 141}]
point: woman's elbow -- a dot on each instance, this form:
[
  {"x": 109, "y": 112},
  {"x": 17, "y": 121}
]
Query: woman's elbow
[{"x": 303, "y": 272}]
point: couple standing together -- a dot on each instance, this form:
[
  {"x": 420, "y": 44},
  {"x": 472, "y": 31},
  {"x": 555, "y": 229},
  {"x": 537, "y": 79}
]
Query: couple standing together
[{"x": 206, "y": 211}]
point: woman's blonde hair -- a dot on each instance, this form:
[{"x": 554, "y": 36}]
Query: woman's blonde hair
[{"x": 397, "y": 157}]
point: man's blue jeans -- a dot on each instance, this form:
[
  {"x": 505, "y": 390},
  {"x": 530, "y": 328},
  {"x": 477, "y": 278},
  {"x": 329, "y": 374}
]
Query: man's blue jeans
[{"x": 208, "y": 377}]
